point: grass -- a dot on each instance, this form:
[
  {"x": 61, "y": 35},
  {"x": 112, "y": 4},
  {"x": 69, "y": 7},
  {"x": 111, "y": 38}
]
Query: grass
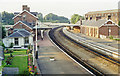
[
  {"x": 0, "y": 68},
  {"x": 18, "y": 61}
]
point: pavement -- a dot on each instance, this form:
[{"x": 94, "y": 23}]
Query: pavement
[
  {"x": 62, "y": 64},
  {"x": 9, "y": 70}
]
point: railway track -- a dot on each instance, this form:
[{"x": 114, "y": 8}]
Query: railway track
[
  {"x": 73, "y": 55},
  {"x": 106, "y": 57}
]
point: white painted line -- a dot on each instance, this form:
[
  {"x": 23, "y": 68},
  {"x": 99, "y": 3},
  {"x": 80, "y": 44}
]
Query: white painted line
[{"x": 70, "y": 57}]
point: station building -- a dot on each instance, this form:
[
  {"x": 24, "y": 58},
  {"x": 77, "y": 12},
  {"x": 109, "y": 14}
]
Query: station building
[
  {"x": 114, "y": 15},
  {"x": 100, "y": 24},
  {"x": 101, "y": 28}
]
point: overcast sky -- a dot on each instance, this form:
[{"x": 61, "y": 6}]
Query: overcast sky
[{"x": 60, "y": 7}]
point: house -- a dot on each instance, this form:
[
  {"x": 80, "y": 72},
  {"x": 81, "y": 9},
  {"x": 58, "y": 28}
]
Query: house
[
  {"x": 101, "y": 28},
  {"x": 24, "y": 20},
  {"x": 21, "y": 38},
  {"x": 21, "y": 33}
]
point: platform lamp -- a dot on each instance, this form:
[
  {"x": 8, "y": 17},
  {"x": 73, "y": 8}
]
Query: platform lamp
[
  {"x": 36, "y": 43},
  {"x": 33, "y": 56}
]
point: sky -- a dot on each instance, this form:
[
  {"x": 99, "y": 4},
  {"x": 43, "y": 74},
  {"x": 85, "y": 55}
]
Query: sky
[{"x": 60, "y": 7}]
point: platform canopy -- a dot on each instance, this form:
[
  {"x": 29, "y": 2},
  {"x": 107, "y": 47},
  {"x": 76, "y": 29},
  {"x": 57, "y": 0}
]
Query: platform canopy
[{"x": 42, "y": 26}]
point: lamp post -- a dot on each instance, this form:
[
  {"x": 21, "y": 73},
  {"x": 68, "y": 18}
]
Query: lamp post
[
  {"x": 36, "y": 43},
  {"x": 33, "y": 56}
]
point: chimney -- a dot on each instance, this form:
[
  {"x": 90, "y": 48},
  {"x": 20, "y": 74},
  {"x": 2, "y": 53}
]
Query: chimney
[
  {"x": 24, "y": 7},
  {"x": 28, "y": 9}
]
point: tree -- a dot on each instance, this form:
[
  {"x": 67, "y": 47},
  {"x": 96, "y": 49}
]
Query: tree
[
  {"x": 75, "y": 18},
  {"x": 7, "y": 18},
  {"x": 119, "y": 23},
  {"x": 55, "y": 18},
  {"x": 3, "y": 32},
  {"x": 40, "y": 17}
]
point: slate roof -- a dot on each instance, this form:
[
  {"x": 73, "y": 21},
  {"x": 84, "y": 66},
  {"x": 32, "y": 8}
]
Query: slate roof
[
  {"x": 1, "y": 53},
  {"x": 94, "y": 23},
  {"x": 20, "y": 33},
  {"x": 34, "y": 13},
  {"x": 28, "y": 24}
]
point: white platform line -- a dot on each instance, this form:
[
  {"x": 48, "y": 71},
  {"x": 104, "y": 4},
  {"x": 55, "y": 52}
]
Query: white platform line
[{"x": 71, "y": 57}]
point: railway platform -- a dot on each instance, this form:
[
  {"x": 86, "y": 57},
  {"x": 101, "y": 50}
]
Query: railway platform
[{"x": 62, "y": 63}]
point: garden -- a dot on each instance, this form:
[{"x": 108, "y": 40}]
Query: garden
[{"x": 21, "y": 59}]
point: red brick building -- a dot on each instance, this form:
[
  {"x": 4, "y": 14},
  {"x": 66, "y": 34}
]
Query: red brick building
[
  {"x": 101, "y": 28},
  {"x": 25, "y": 20},
  {"x": 21, "y": 35},
  {"x": 106, "y": 14}
]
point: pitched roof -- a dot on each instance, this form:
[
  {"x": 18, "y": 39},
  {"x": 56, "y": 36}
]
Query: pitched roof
[
  {"x": 25, "y": 23},
  {"x": 94, "y": 23},
  {"x": 98, "y": 23},
  {"x": 33, "y": 14},
  {"x": 28, "y": 24},
  {"x": 20, "y": 33}
]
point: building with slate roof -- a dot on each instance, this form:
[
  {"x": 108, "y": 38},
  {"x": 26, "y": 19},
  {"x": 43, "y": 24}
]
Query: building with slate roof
[
  {"x": 20, "y": 38},
  {"x": 21, "y": 35},
  {"x": 101, "y": 28},
  {"x": 114, "y": 15},
  {"x": 25, "y": 20}
]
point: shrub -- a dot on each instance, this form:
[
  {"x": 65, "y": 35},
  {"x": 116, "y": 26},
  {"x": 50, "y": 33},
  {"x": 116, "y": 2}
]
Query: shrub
[
  {"x": 26, "y": 72},
  {"x": 29, "y": 47},
  {"x": 10, "y": 51},
  {"x": 119, "y": 23},
  {"x": 111, "y": 37},
  {"x": 11, "y": 45},
  {"x": 117, "y": 39}
]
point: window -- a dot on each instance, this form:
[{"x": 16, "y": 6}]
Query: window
[
  {"x": 109, "y": 17},
  {"x": 24, "y": 17},
  {"x": 109, "y": 31},
  {"x": 97, "y": 18},
  {"x": 16, "y": 41},
  {"x": 20, "y": 25},
  {"x": 87, "y": 18},
  {"x": 26, "y": 40},
  {"x": 90, "y": 18}
]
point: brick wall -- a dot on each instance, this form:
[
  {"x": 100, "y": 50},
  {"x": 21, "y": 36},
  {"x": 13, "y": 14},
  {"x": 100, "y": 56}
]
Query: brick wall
[
  {"x": 104, "y": 30},
  {"x": 29, "y": 18},
  {"x": 22, "y": 26}
]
